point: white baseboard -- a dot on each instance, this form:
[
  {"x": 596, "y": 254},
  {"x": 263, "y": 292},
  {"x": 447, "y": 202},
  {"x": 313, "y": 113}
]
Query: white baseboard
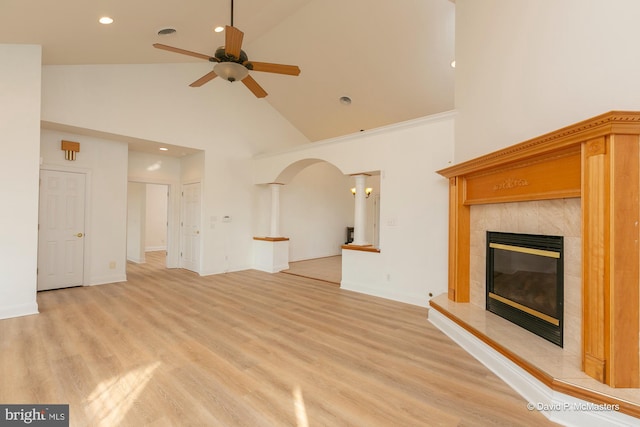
[
  {"x": 104, "y": 280},
  {"x": 19, "y": 310},
  {"x": 230, "y": 269},
  {"x": 271, "y": 268},
  {"x": 394, "y": 296},
  {"x": 558, "y": 407},
  {"x": 155, "y": 248}
]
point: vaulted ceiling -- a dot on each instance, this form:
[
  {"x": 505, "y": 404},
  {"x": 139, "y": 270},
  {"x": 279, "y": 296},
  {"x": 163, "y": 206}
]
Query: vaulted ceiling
[{"x": 392, "y": 58}]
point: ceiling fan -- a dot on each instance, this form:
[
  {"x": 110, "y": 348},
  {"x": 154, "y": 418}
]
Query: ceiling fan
[{"x": 232, "y": 62}]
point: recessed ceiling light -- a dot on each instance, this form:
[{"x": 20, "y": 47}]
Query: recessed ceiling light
[
  {"x": 218, "y": 29},
  {"x": 164, "y": 149},
  {"x": 105, "y": 20},
  {"x": 345, "y": 100}
]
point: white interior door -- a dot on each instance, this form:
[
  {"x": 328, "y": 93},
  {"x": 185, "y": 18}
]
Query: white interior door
[
  {"x": 190, "y": 227},
  {"x": 61, "y": 229}
]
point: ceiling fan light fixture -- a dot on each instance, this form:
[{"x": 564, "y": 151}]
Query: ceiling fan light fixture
[
  {"x": 232, "y": 63},
  {"x": 231, "y": 71}
]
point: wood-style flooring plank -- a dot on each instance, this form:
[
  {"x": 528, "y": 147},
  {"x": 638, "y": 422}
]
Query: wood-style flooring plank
[
  {"x": 171, "y": 348},
  {"x": 328, "y": 269}
]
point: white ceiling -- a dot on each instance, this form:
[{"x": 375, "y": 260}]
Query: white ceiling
[{"x": 392, "y": 58}]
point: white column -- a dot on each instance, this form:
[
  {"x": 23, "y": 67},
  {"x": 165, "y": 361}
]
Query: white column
[
  {"x": 360, "y": 220},
  {"x": 274, "y": 230}
]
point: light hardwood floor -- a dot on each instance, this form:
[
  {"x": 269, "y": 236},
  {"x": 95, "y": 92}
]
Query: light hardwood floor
[
  {"x": 170, "y": 348},
  {"x": 327, "y": 269}
]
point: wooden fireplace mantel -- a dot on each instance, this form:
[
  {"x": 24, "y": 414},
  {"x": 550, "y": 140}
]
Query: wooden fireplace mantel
[{"x": 598, "y": 160}]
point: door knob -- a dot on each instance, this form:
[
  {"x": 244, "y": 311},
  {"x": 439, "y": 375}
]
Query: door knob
[{"x": 79, "y": 235}]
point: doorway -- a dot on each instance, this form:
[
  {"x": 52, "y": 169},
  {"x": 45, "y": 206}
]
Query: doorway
[
  {"x": 147, "y": 220},
  {"x": 61, "y": 229}
]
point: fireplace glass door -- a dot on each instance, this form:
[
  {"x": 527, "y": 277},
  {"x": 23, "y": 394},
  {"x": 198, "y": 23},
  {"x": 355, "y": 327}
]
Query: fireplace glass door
[{"x": 525, "y": 281}]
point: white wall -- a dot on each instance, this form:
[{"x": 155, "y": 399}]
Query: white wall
[
  {"x": 153, "y": 168},
  {"x": 105, "y": 163},
  {"x": 316, "y": 207},
  {"x": 413, "y": 232},
  {"x": 192, "y": 168},
  {"x": 528, "y": 67},
  {"x": 20, "y": 136},
  {"x": 156, "y": 218},
  {"x": 154, "y": 102},
  {"x": 136, "y": 213}
]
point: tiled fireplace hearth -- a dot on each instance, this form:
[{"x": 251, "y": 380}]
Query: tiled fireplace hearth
[{"x": 581, "y": 182}]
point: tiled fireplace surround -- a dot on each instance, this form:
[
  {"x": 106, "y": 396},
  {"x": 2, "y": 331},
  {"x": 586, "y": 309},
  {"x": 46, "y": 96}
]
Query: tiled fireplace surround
[
  {"x": 581, "y": 182},
  {"x": 560, "y": 217}
]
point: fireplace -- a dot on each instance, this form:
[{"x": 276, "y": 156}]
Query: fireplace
[
  {"x": 525, "y": 281},
  {"x": 596, "y": 160}
]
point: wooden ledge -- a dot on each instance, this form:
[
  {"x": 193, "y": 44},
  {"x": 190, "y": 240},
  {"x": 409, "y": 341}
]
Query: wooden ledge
[
  {"x": 555, "y": 384},
  {"x": 363, "y": 248},
  {"x": 272, "y": 239}
]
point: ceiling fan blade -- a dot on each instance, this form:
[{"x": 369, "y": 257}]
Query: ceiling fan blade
[
  {"x": 184, "y": 52},
  {"x": 254, "y": 87},
  {"x": 291, "y": 70},
  {"x": 232, "y": 41},
  {"x": 204, "y": 79}
]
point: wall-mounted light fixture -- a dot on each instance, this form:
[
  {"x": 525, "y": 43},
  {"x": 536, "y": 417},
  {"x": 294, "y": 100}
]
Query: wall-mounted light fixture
[
  {"x": 70, "y": 149},
  {"x": 367, "y": 191}
]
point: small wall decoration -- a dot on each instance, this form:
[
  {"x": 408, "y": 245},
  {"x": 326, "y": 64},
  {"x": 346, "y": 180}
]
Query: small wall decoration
[{"x": 70, "y": 149}]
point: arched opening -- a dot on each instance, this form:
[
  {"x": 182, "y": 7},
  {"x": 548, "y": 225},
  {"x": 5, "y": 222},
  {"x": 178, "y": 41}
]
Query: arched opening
[{"x": 316, "y": 210}]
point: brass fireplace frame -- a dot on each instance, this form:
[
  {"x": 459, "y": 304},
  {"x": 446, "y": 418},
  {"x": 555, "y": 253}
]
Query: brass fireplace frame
[{"x": 546, "y": 246}]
